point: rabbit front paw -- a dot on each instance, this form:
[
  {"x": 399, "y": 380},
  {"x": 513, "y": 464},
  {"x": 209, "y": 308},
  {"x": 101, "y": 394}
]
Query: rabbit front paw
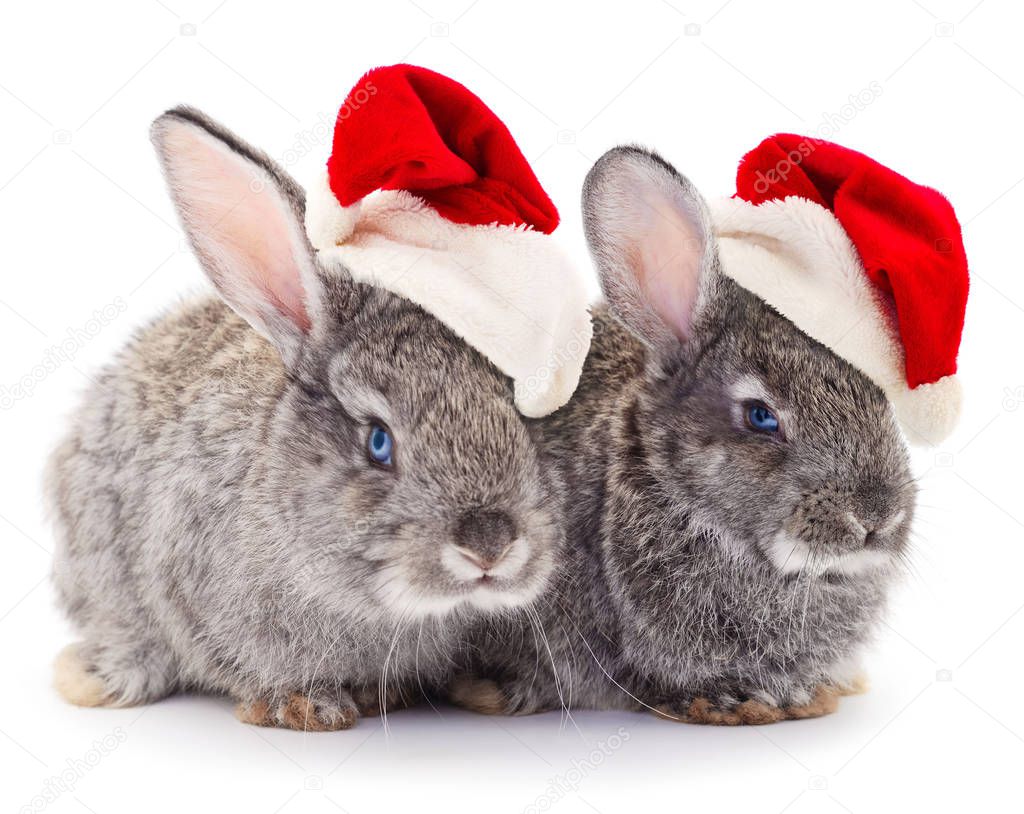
[
  {"x": 315, "y": 712},
  {"x": 370, "y": 702},
  {"x": 481, "y": 695},
  {"x": 753, "y": 709},
  {"x": 490, "y": 696}
]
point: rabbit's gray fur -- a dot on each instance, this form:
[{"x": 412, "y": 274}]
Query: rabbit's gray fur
[
  {"x": 668, "y": 591},
  {"x": 219, "y": 524}
]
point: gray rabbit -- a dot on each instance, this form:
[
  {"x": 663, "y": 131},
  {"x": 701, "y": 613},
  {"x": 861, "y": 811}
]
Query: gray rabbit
[
  {"x": 741, "y": 496},
  {"x": 301, "y": 494}
]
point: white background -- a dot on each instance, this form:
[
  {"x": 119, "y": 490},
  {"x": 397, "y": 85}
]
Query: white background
[{"x": 85, "y": 222}]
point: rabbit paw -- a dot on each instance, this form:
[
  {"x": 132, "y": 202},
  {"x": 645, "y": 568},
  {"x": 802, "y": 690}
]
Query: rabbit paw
[
  {"x": 847, "y": 677},
  {"x": 77, "y": 681},
  {"x": 756, "y": 710},
  {"x": 114, "y": 674},
  {"x": 489, "y": 696},
  {"x": 856, "y": 685},
  {"x": 369, "y": 702},
  {"x": 307, "y": 713},
  {"x": 479, "y": 695}
]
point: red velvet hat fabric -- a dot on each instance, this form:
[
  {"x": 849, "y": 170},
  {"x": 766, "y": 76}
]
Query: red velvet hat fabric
[
  {"x": 405, "y": 127},
  {"x": 907, "y": 236}
]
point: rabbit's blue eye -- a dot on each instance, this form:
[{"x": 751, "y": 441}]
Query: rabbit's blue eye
[
  {"x": 762, "y": 419},
  {"x": 380, "y": 445}
]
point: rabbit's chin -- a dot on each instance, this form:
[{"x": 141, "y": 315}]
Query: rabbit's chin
[{"x": 791, "y": 555}]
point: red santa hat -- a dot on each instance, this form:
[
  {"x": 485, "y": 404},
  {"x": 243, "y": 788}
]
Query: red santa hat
[
  {"x": 427, "y": 194},
  {"x": 861, "y": 259}
]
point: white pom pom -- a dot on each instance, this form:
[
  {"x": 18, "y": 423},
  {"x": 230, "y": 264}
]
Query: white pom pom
[
  {"x": 929, "y": 412},
  {"x": 328, "y": 223}
]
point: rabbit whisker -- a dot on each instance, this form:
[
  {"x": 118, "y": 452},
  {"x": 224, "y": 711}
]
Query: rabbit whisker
[
  {"x": 387, "y": 663},
  {"x": 535, "y": 619},
  {"x": 608, "y": 675},
  {"x": 312, "y": 677},
  {"x": 416, "y": 667}
]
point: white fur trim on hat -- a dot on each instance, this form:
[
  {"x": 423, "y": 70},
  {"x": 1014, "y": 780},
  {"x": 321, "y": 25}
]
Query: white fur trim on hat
[
  {"x": 795, "y": 255},
  {"x": 328, "y": 223},
  {"x": 508, "y": 291}
]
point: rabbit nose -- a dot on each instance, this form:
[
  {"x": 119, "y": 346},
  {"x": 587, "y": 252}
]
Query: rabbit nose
[
  {"x": 484, "y": 537},
  {"x": 875, "y": 535},
  {"x": 875, "y": 504},
  {"x": 875, "y": 518}
]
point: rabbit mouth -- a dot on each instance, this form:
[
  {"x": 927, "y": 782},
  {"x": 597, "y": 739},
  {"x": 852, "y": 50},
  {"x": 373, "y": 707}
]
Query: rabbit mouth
[
  {"x": 494, "y": 583},
  {"x": 512, "y": 578},
  {"x": 791, "y": 555},
  {"x": 470, "y": 567}
]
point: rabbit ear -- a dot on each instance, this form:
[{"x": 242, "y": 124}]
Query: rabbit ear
[
  {"x": 243, "y": 216},
  {"x": 650, "y": 235}
]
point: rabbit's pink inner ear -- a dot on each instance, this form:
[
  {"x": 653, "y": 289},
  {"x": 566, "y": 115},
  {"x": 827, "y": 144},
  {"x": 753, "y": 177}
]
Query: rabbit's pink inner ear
[
  {"x": 669, "y": 262},
  {"x": 245, "y": 232}
]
